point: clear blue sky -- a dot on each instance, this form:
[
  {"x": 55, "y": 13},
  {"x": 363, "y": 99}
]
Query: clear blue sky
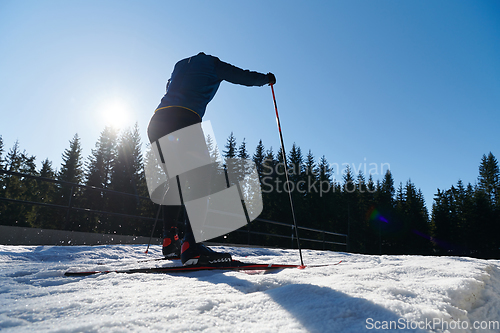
[{"x": 415, "y": 84}]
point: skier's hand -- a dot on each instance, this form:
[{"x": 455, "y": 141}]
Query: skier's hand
[{"x": 272, "y": 78}]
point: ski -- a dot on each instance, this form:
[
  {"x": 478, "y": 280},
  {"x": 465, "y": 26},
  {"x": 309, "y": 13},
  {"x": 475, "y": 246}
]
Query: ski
[{"x": 235, "y": 265}]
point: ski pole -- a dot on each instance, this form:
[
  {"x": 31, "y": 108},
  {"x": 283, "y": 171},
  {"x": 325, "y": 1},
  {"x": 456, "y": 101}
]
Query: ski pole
[
  {"x": 283, "y": 151},
  {"x": 153, "y": 231},
  {"x": 157, "y": 215}
]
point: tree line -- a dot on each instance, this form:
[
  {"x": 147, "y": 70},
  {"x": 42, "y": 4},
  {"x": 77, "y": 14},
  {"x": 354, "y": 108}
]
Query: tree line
[
  {"x": 466, "y": 218},
  {"x": 114, "y": 164},
  {"x": 379, "y": 216}
]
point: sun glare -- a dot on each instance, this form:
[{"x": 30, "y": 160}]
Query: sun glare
[{"x": 115, "y": 113}]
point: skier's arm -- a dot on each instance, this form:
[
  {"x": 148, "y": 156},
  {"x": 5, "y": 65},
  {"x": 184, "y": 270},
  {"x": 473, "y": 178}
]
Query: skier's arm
[{"x": 237, "y": 75}]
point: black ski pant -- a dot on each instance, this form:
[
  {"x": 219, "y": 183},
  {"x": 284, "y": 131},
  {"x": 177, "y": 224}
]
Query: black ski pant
[{"x": 163, "y": 122}]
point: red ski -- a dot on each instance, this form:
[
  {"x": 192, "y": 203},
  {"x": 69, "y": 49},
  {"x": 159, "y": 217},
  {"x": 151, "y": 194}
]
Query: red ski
[{"x": 233, "y": 266}]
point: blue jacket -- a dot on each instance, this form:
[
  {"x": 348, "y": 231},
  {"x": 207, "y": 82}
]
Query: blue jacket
[{"x": 195, "y": 81}]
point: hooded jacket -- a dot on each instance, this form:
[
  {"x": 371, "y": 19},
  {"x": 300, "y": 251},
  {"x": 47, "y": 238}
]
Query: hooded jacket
[{"x": 195, "y": 81}]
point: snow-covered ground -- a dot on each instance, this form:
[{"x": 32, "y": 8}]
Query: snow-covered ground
[{"x": 362, "y": 294}]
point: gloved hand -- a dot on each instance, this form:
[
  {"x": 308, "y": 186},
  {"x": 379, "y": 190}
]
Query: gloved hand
[{"x": 272, "y": 78}]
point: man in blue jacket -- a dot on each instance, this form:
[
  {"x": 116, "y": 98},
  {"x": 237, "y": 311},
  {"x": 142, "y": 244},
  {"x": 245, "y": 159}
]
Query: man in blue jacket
[{"x": 191, "y": 87}]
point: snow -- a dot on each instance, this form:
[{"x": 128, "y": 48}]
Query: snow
[{"x": 362, "y": 294}]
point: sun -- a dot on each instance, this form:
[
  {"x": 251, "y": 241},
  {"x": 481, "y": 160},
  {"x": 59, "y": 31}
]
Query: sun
[{"x": 115, "y": 113}]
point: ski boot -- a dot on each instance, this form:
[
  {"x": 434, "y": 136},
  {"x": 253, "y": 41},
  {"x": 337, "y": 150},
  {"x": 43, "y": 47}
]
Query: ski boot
[
  {"x": 171, "y": 244},
  {"x": 193, "y": 253}
]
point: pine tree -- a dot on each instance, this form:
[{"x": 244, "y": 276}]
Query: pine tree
[
  {"x": 387, "y": 190},
  {"x": 127, "y": 176},
  {"x": 98, "y": 173},
  {"x": 468, "y": 218},
  {"x": 20, "y": 161},
  {"x": 373, "y": 241},
  {"x": 308, "y": 190},
  {"x": 304, "y": 198},
  {"x": 361, "y": 214},
  {"x": 305, "y": 195},
  {"x": 485, "y": 240},
  {"x": 14, "y": 158},
  {"x": 230, "y": 146},
  {"x": 455, "y": 218},
  {"x": 310, "y": 164},
  {"x": 349, "y": 197},
  {"x": 71, "y": 171},
  {"x": 326, "y": 203},
  {"x": 101, "y": 161},
  {"x": 71, "y": 167},
  {"x": 240, "y": 166},
  {"x": 415, "y": 228},
  {"x": 489, "y": 177},
  {"x": 46, "y": 171},
  {"x": 127, "y": 171},
  {"x": 324, "y": 171},
  {"x": 242, "y": 150},
  {"x": 268, "y": 175},
  {"x": 230, "y": 166},
  {"x": 258, "y": 158},
  {"x": 488, "y": 206},
  {"x": 19, "y": 188},
  {"x": 384, "y": 199},
  {"x": 295, "y": 164},
  {"x": 213, "y": 149},
  {"x": 371, "y": 185},
  {"x": 442, "y": 222},
  {"x": 271, "y": 197},
  {"x": 29, "y": 185},
  {"x": 11, "y": 185},
  {"x": 46, "y": 217},
  {"x": 463, "y": 206}
]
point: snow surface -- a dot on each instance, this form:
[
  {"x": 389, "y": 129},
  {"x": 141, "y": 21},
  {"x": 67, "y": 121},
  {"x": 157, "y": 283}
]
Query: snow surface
[{"x": 362, "y": 294}]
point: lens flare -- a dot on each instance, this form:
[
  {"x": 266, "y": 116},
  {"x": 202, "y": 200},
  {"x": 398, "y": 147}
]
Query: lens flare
[{"x": 375, "y": 215}]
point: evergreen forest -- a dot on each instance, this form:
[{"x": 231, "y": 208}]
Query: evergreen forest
[{"x": 379, "y": 216}]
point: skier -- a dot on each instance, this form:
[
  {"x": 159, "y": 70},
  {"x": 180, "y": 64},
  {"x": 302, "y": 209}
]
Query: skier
[{"x": 192, "y": 85}]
